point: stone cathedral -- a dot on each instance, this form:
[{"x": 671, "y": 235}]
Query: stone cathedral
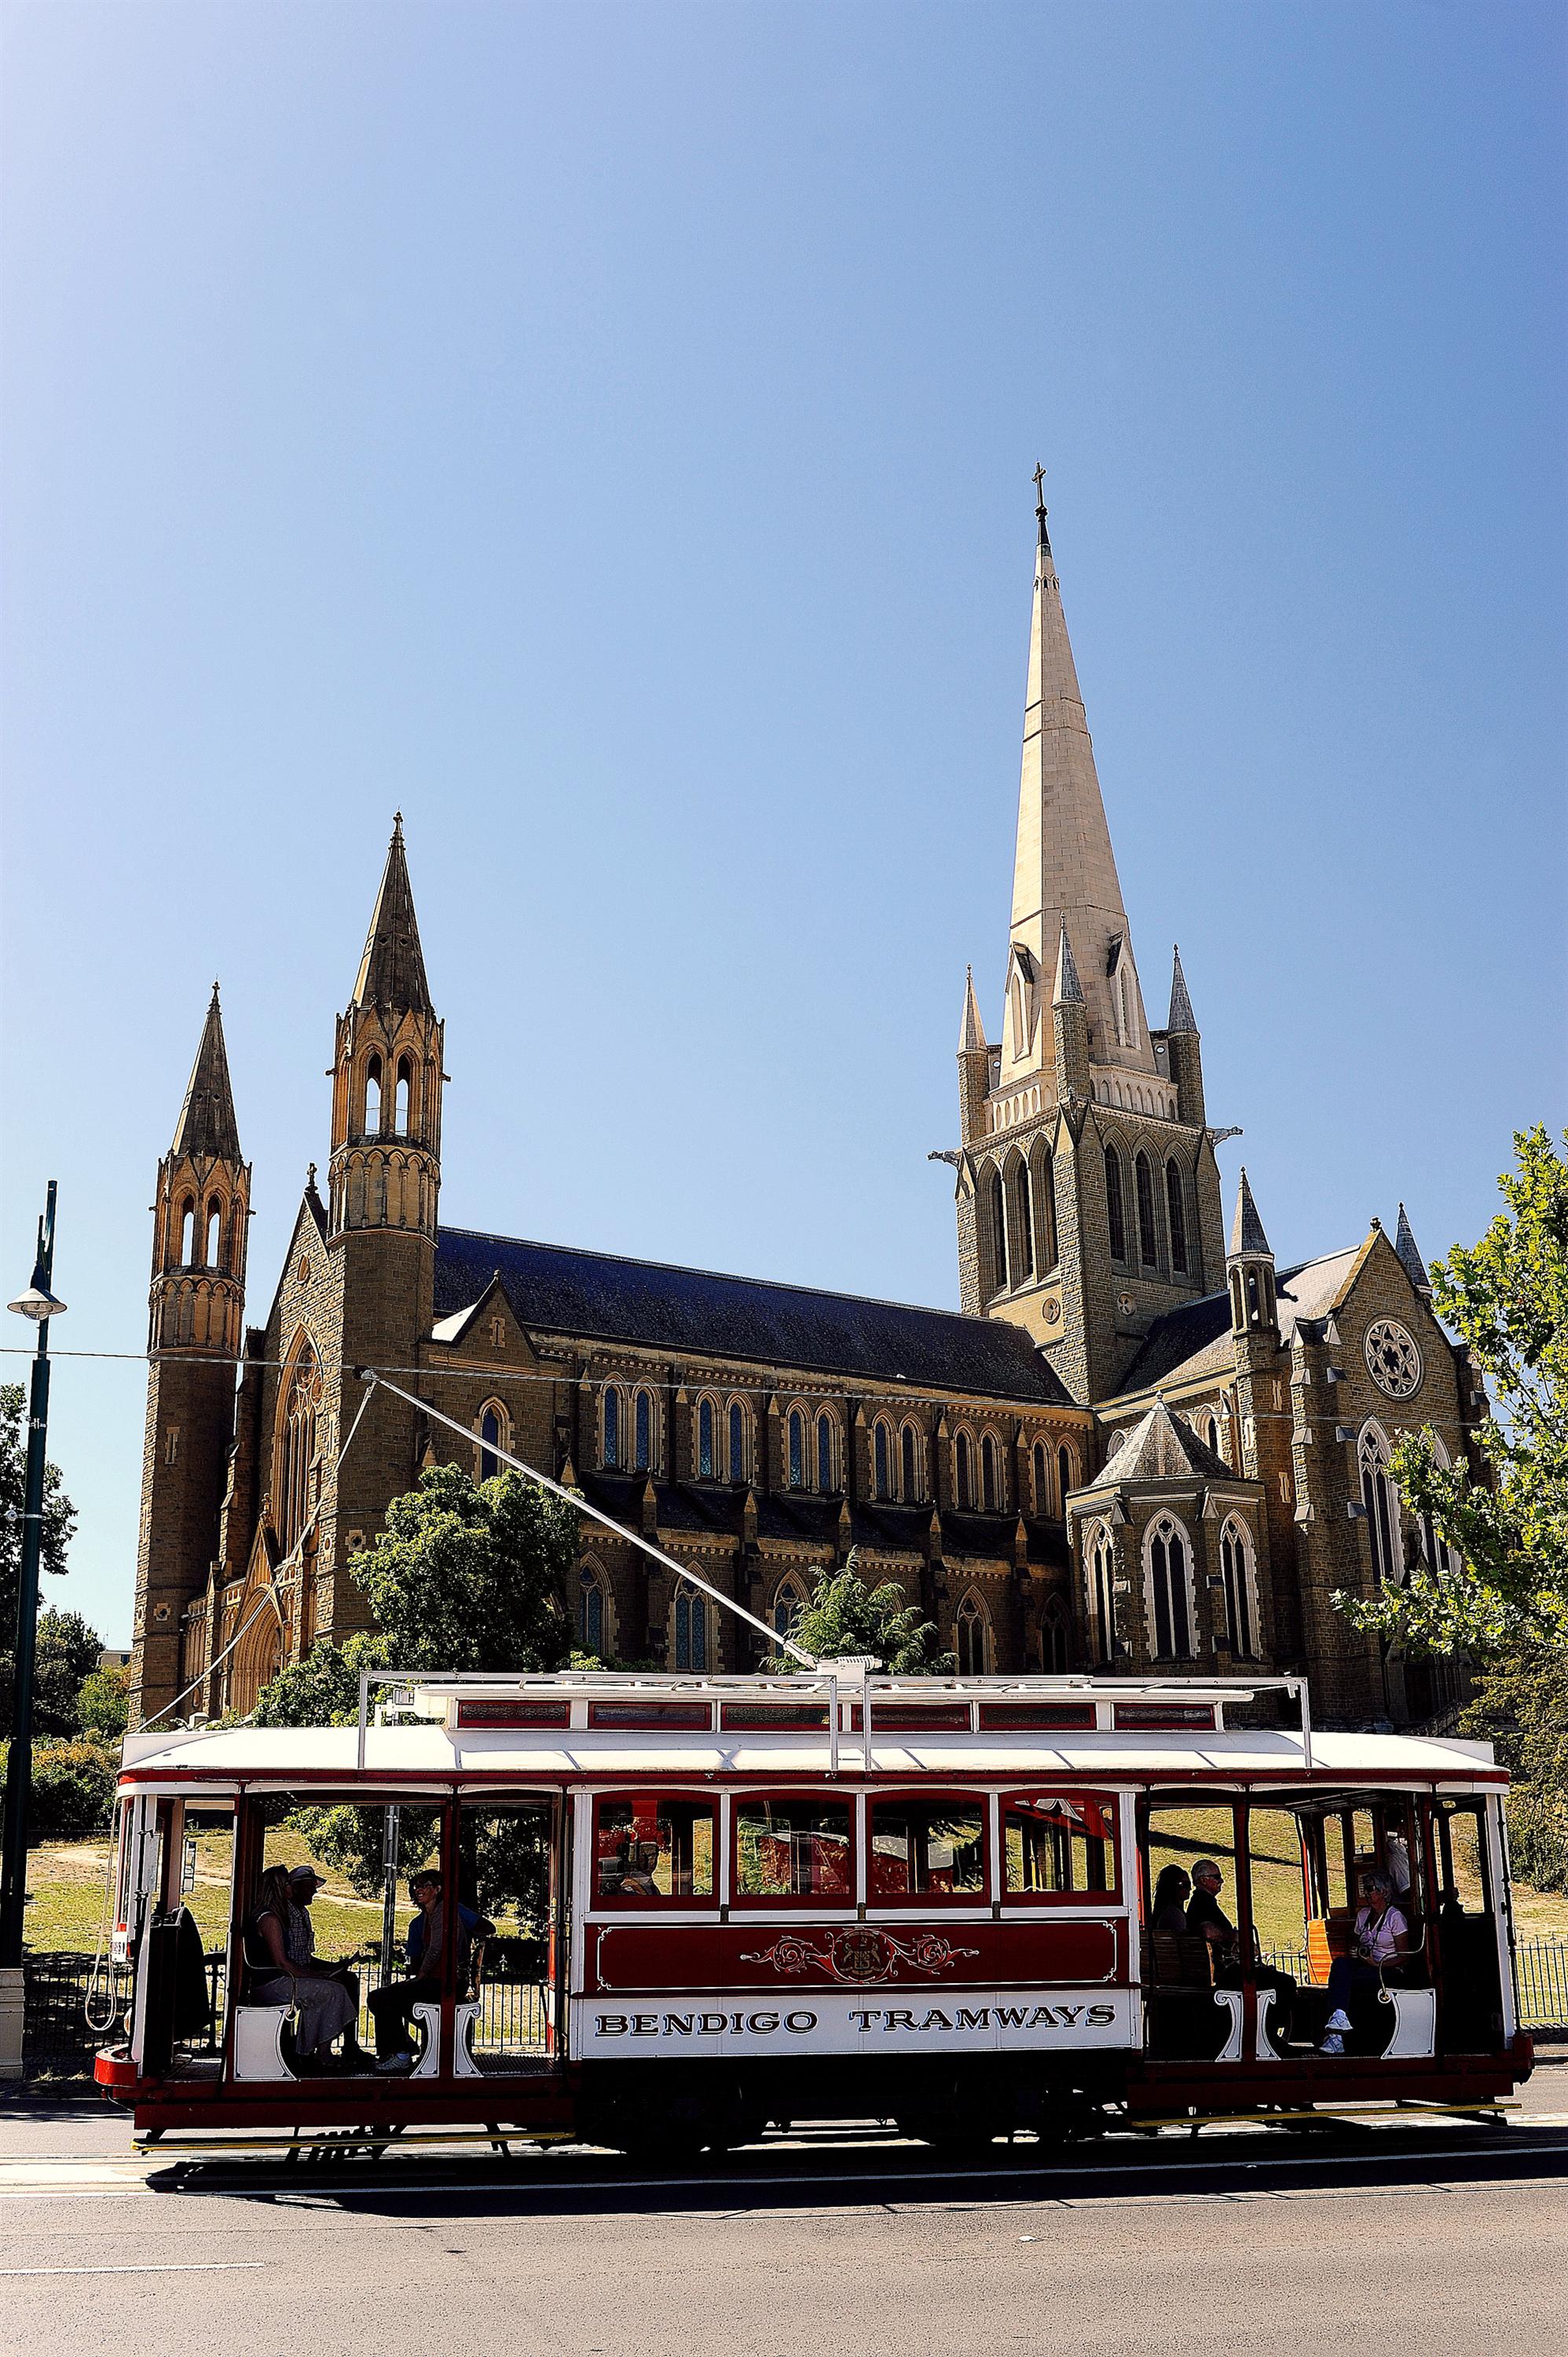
[{"x": 1139, "y": 1446}]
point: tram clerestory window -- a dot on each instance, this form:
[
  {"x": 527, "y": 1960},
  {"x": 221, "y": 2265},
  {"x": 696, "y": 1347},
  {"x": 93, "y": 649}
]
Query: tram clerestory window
[
  {"x": 792, "y": 1848},
  {"x": 647, "y": 1848},
  {"x": 927, "y": 1849},
  {"x": 1055, "y": 1846}
]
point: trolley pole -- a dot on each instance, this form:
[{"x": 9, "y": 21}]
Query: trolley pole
[{"x": 39, "y": 1304}]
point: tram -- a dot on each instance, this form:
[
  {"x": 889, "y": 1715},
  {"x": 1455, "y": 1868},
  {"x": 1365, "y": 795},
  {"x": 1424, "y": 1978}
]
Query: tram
[{"x": 693, "y": 1906}]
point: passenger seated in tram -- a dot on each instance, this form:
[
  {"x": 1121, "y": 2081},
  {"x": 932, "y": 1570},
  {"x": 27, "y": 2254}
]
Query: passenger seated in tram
[
  {"x": 1172, "y": 1892},
  {"x": 283, "y": 1968},
  {"x": 637, "y": 1879},
  {"x": 1206, "y": 1917},
  {"x": 1380, "y": 1944},
  {"x": 392, "y": 2007}
]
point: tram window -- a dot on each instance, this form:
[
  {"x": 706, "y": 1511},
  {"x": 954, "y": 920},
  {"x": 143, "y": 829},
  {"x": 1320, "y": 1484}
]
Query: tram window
[
  {"x": 1279, "y": 1887},
  {"x": 506, "y": 1876},
  {"x": 927, "y": 1848},
  {"x": 1461, "y": 1857},
  {"x": 1180, "y": 1837},
  {"x": 792, "y": 1847},
  {"x": 1058, "y": 1844},
  {"x": 647, "y": 1848}
]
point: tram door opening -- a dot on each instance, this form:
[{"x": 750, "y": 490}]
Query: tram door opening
[
  {"x": 509, "y": 1887},
  {"x": 1183, "y": 1965}
]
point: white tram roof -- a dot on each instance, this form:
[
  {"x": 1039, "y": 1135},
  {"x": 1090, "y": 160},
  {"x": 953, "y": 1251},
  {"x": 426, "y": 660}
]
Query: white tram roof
[{"x": 628, "y": 1740}]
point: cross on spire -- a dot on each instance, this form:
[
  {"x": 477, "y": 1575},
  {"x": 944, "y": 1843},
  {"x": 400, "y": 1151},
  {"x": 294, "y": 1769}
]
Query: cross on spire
[{"x": 1039, "y": 480}]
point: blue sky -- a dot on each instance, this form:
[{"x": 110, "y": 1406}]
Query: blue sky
[{"x": 605, "y": 432}]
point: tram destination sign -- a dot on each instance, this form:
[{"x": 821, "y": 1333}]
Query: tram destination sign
[{"x": 951, "y": 2021}]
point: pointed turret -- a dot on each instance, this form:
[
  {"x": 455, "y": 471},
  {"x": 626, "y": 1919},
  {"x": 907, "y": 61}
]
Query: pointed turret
[
  {"x": 207, "y": 1123},
  {"x": 1180, "y": 1019},
  {"x": 1064, "y": 867},
  {"x": 1409, "y": 1255},
  {"x": 1068, "y": 990},
  {"x": 391, "y": 971},
  {"x": 972, "y": 1031},
  {"x": 1247, "y": 1237},
  {"x": 1070, "y": 1026},
  {"x": 1249, "y": 1267}
]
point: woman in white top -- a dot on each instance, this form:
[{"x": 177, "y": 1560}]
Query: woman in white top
[{"x": 1382, "y": 1941}]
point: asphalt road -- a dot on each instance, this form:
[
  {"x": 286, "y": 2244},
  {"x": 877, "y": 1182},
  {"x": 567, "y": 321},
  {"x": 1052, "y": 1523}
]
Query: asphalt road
[{"x": 1428, "y": 2239}]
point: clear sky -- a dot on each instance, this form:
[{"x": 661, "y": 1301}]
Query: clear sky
[{"x": 605, "y": 432}]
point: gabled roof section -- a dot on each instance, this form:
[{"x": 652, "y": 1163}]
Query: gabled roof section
[
  {"x": 554, "y": 1289},
  {"x": 1194, "y": 1342},
  {"x": 1164, "y": 1448},
  {"x": 391, "y": 971},
  {"x": 207, "y": 1124}
]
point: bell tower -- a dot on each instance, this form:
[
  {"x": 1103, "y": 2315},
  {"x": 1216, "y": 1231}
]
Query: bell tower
[
  {"x": 196, "y": 1321},
  {"x": 383, "y": 1191}
]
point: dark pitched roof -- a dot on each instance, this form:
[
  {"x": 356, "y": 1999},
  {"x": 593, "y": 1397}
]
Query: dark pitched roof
[
  {"x": 1181, "y": 1017},
  {"x": 1409, "y": 1252},
  {"x": 391, "y": 971},
  {"x": 1163, "y": 1448},
  {"x": 803, "y": 1515},
  {"x": 207, "y": 1123},
  {"x": 1196, "y": 1339},
  {"x": 557, "y": 1290}
]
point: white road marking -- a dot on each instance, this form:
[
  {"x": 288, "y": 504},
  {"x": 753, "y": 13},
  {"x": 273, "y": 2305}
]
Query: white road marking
[{"x": 146, "y": 2268}]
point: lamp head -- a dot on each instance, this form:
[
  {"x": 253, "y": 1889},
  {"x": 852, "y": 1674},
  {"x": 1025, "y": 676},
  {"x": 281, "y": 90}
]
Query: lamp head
[{"x": 37, "y": 1303}]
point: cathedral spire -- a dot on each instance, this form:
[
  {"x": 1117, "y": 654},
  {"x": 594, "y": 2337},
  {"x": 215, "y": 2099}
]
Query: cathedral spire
[
  {"x": 1181, "y": 1018},
  {"x": 207, "y": 1124},
  {"x": 1247, "y": 1237},
  {"x": 1064, "y": 867},
  {"x": 972, "y": 1031},
  {"x": 391, "y": 971}
]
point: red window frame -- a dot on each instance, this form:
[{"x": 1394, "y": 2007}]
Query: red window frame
[
  {"x": 1105, "y": 1805},
  {"x": 766, "y": 1902},
  {"x": 617, "y": 1902},
  {"x": 921, "y": 1901}
]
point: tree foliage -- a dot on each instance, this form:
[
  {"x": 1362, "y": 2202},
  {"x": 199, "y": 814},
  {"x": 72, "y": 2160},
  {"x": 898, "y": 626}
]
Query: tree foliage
[
  {"x": 103, "y": 1704},
  {"x": 845, "y": 1617},
  {"x": 58, "y": 1522},
  {"x": 1507, "y": 1297},
  {"x": 1522, "y": 1705},
  {"x": 68, "y": 1651}
]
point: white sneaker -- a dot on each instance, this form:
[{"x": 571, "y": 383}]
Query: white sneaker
[
  {"x": 1339, "y": 2020},
  {"x": 394, "y": 2065},
  {"x": 1332, "y": 2044}
]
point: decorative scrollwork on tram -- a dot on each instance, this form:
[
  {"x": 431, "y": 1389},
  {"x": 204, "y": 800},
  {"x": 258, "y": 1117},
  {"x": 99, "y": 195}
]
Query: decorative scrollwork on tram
[{"x": 860, "y": 1954}]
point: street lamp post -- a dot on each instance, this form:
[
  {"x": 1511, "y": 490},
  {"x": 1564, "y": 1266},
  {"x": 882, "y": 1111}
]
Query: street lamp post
[{"x": 39, "y": 1304}]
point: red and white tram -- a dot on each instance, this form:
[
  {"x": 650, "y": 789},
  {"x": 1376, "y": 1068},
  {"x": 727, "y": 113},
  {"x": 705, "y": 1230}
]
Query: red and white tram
[{"x": 761, "y": 1908}]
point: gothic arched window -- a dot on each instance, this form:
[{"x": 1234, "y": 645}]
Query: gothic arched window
[
  {"x": 214, "y": 1233},
  {"x": 1381, "y": 1501},
  {"x": 188, "y": 1233},
  {"x": 824, "y": 1452},
  {"x": 492, "y": 1436},
  {"x": 1099, "y": 1565},
  {"x": 964, "y": 1467},
  {"x": 1236, "y": 1571},
  {"x": 591, "y": 1611},
  {"x": 642, "y": 1432},
  {"x": 988, "y": 1485},
  {"x": 402, "y": 1097},
  {"x": 1167, "y": 1560},
  {"x": 789, "y": 1602},
  {"x": 1026, "y": 1224},
  {"x": 881, "y": 1464},
  {"x": 1050, "y": 1242},
  {"x": 1067, "y": 1474},
  {"x": 690, "y": 1631},
  {"x": 797, "y": 1450},
  {"x": 704, "y": 1440},
  {"x": 737, "y": 1441},
  {"x": 296, "y": 1447},
  {"x": 1055, "y": 1638},
  {"x": 998, "y": 1210},
  {"x": 1148, "y": 1239},
  {"x": 1115, "y": 1212},
  {"x": 909, "y": 1454},
  {"x": 373, "y": 1097},
  {"x": 1175, "y": 1213},
  {"x": 611, "y": 1415},
  {"x": 971, "y": 1637},
  {"x": 1042, "y": 1484}
]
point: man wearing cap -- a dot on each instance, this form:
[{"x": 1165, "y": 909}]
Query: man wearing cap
[{"x": 299, "y": 1945}]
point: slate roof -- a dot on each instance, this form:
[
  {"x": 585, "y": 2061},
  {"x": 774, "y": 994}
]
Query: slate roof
[
  {"x": 207, "y": 1124},
  {"x": 804, "y": 1517},
  {"x": 1195, "y": 1340},
  {"x": 391, "y": 971},
  {"x": 1164, "y": 1448},
  {"x": 555, "y": 1289}
]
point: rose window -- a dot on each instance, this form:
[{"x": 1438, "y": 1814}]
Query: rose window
[{"x": 1392, "y": 1358}]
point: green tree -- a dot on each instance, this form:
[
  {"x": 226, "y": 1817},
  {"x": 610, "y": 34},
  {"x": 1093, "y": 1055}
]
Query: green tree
[
  {"x": 59, "y": 1522},
  {"x": 68, "y": 1651},
  {"x": 1522, "y": 1705},
  {"x": 103, "y": 1704},
  {"x": 843, "y": 1616},
  {"x": 1507, "y": 1299}
]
